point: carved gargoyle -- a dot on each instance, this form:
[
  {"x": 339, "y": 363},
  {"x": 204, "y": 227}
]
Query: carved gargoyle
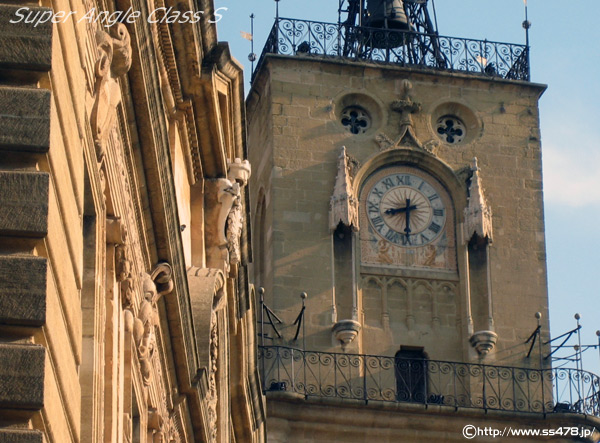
[
  {"x": 114, "y": 60},
  {"x": 154, "y": 286}
]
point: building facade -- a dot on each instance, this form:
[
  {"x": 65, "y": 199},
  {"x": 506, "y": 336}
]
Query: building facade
[
  {"x": 398, "y": 182},
  {"x": 126, "y": 312}
]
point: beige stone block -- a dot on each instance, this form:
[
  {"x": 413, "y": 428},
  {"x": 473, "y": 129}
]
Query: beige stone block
[
  {"x": 23, "y": 290},
  {"x": 22, "y": 376},
  {"x": 24, "y": 203},
  {"x": 22, "y": 45},
  {"x": 24, "y": 119},
  {"x": 54, "y": 409},
  {"x": 21, "y": 436}
]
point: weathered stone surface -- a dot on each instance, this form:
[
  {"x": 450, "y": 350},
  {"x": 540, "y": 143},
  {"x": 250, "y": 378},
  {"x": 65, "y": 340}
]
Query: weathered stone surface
[
  {"x": 24, "y": 203},
  {"x": 23, "y": 45},
  {"x": 20, "y": 436},
  {"x": 23, "y": 290},
  {"x": 24, "y": 119},
  {"x": 22, "y": 376}
]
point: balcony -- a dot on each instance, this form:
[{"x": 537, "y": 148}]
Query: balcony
[
  {"x": 401, "y": 48},
  {"x": 372, "y": 378}
]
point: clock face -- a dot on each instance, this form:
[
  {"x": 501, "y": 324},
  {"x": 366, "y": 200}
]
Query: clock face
[{"x": 406, "y": 210}]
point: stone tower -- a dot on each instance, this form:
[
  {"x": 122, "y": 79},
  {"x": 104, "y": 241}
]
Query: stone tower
[{"x": 398, "y": 182}]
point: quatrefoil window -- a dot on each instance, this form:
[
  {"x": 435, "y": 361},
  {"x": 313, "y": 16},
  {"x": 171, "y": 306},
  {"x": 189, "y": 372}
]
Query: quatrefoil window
[
  {"x": 356, "y": 120},
  {"x": 451, "y": 129}
]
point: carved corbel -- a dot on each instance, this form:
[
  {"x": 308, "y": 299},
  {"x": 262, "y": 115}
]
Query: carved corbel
[
  {"x": 114, "y": 60},
  {"x": 343, "y": 205},
  {"x": 154, "y": 285}
]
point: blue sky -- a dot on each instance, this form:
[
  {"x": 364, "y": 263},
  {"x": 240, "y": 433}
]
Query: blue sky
[{"x": 565, "y": 56}]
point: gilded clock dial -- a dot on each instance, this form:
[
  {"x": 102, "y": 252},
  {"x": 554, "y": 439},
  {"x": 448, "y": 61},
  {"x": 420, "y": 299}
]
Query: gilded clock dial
[{"x": 406, "y": 210}]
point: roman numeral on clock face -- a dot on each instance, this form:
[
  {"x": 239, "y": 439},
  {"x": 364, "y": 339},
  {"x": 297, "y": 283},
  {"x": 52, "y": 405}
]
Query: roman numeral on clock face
[
  {"x": 388, "y": 183},
  {"x": 377, "y": 222},
  {"x": 434, "y": 227},
  {"x": 377, "y": 192},
  {"x": 393, "y": 236}
]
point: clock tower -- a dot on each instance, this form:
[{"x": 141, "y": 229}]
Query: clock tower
[{"x": 398, "y": 182}]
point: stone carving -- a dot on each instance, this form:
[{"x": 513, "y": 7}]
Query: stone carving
[
  {"x": 154, "y": 285},
  {"x": 227, "y": 194},
  {"x": 114, "y": 60},
  {"x": 345, "y": 331},
  {"x": 384, "y": 141},
  {"x": 124, "y": 276},
  {"x": 233, "y": 230},
  {"x": 431, "y": 146},
  {"x": 406, "y": 107},
  {"x": 212, "y": 378},
  {"x": 239, "y": 172},
  {"x": 478, "y": 215},
  {"x": 343, "y": 205},
  {"x": 484, "y": 342},
  {"x": 229, "y": 214}
]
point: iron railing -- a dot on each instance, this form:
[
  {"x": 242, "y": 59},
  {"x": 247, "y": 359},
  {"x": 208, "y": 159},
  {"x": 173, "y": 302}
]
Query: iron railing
[
  {"x": 397, "y": 380},
  {"x": 404, "y": 48}
]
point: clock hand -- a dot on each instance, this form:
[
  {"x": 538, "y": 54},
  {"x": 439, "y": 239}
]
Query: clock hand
[
  {"x": 394, "y": 211},
  {"x": 407, "y": 209}
]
